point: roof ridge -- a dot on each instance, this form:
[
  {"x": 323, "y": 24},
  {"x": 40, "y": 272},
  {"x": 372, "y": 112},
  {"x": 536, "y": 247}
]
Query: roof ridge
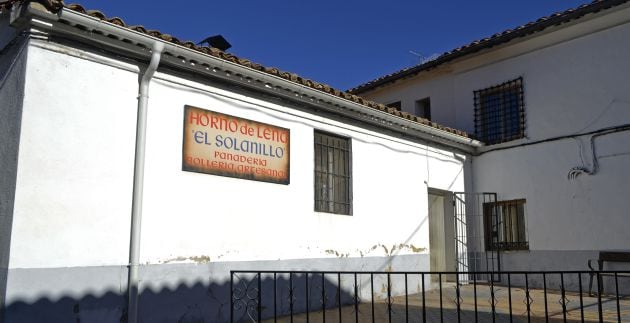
[
  {"x": 505, "y": 36},
  {"x": 55, "y": 6}
]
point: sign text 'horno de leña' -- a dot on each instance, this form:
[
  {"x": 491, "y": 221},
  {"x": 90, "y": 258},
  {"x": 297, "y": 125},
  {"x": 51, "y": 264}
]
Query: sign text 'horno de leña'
[{"x": 221, "y": 144}]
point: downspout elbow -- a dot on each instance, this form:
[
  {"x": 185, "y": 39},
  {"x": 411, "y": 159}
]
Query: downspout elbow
[{"x": 156, "y": 55}]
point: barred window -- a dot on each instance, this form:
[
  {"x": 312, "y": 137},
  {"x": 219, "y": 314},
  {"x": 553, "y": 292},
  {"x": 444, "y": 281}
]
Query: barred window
[
  {"x": 504, "y": 223},
  {"x": 500, "y": 112},
  {"x": 333, "y": 174}
]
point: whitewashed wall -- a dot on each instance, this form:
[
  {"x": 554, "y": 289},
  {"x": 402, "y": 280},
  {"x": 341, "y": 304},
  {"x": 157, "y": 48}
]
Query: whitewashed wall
[
  {"x": 575, "y": 80},
  {"x": 70, "y": 234},
  {"x": 76, "y": 163}
]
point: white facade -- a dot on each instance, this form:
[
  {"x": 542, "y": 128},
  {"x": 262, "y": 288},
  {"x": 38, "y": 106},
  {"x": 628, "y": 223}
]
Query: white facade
[
  {"x": 70, "y": 228},
  {"x": 76, "y": 157},
  {"x": 69, "y": 122},
  {"x": 575, "y": 82}
]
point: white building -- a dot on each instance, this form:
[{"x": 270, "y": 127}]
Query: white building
[
  {"x": 551, "y": 101},
  {"x": 219, "y": 163},
  {"x": 129, "y": 158}
]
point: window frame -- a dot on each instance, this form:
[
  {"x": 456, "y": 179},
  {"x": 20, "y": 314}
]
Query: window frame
[
  {"x": 500, "y": 112},
  {"x": 423, "y": 105},
  {"x": 324, "y": 204},
  {"x": 397, "y": 105},
  {"x": 510, "y": 235}
]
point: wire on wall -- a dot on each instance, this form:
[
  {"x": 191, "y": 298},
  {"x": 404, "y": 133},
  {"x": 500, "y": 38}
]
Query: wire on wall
[{"x": 579, "y": 170}]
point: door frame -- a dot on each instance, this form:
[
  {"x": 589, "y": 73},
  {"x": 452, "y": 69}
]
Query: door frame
[{"x": 449, "y": 252}]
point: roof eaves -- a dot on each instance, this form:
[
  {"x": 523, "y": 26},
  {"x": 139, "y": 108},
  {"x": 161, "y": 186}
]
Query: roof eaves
[
  {"x": 492, "y": 41},
  {"x": 269, "y": 70},
  {"x": 423, "y": 125}
]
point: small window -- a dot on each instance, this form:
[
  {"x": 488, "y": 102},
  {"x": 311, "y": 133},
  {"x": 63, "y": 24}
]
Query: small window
[
  {"x": 504, "y": 223},
  {"x": 333, "y": 174},
  {"x": 396, "y": 105},
  {"x": 500, "y": 112},
  {"x": 423, "y": 108}
]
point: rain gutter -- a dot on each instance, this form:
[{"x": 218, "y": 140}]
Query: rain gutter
[{"x": 136, "y": 44}]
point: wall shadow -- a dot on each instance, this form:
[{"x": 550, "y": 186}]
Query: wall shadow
[
  {"x": 199, "y": 302},
  {"x": 12, "y": 66},
  {"x": 283, "y": 294}
]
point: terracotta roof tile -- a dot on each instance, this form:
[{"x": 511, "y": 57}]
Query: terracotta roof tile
[
  {"x": 529, "y": 28},
  {"x": 56, "y": 5},
  {"x": 51, "y": 5}
]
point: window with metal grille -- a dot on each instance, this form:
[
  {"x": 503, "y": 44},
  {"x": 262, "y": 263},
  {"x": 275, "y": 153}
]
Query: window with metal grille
[
  {"x": 333, "y": 174},
  {"x": 504, "y": 223},
  {"x": 500, "y": 112}
]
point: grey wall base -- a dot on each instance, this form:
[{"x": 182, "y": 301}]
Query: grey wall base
[
  {"x": 562, "y": 260},
  {"x": 201, "y": 292},
  {"x": 169, "y": 292},
  {"x": 538, "y": 260}
]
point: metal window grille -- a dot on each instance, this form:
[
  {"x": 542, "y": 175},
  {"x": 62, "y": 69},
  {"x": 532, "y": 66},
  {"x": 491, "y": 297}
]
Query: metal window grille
[
  {"x": 333, "y": 174},
  {"x": 506, "y": 229},
  {"x": 500, "y": 112}
]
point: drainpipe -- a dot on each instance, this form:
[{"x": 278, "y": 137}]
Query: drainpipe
[{"x": 138, "y": 183}]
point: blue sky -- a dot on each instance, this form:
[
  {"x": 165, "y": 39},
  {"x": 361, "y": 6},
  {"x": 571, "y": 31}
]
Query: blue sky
[{"x": 342, "y": 43}]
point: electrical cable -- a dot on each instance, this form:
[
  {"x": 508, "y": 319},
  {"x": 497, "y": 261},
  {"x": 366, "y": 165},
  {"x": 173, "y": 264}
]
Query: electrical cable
[
  {"x": 578, "y": 170},
  {"x": 622, "y": 127}
]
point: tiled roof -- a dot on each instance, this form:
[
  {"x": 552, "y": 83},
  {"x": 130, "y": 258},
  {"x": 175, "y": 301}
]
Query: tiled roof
[
  {"x": 494, "y": 40},
  {"x": 51, "y": 5},
  {"x": 56, "y": 5}
]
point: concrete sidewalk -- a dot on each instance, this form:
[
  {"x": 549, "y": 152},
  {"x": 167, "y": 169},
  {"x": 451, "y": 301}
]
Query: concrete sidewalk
[{"x": 413, "y": 311}]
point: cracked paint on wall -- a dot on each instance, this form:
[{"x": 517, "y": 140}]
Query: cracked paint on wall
[
  {"x": 387, "y": 251},
  {"x": 180, "y": 259}
]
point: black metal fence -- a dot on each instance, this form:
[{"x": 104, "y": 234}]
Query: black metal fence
[{"x": 348, "y": 296}]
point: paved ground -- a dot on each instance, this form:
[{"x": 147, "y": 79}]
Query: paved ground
[{"x": 449, "y": 313}]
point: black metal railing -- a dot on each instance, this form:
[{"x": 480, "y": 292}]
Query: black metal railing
[{"x": 348, "y": 296}]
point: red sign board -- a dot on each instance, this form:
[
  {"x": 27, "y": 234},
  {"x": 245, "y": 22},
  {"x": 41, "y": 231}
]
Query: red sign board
[{"x": 225, "y": 145}]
